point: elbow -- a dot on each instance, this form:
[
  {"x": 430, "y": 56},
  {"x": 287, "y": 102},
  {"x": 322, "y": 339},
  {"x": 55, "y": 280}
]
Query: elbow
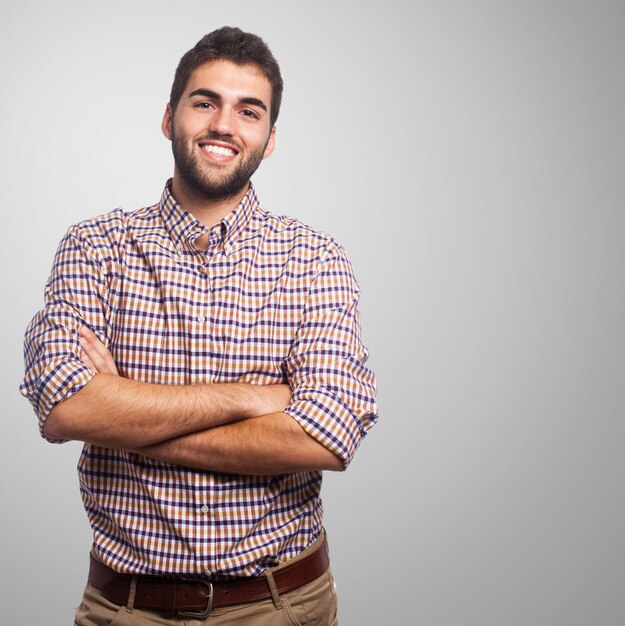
[
  {"x": 55, "y": 426},
  {"x": 67, "y": 419},
  {"x": 323, "y": 459},
  {"x": 334, "y": 463},
  {"x": 73, "y": 417},
  {"x": 311, "y": 454}
]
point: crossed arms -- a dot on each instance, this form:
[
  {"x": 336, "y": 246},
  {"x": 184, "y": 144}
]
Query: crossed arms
[
  {"x": 228, "y": 427},
  {"x": 315, "y": 422}
]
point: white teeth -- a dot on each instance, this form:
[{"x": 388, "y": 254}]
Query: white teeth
[{"x": 218, "y": 150}]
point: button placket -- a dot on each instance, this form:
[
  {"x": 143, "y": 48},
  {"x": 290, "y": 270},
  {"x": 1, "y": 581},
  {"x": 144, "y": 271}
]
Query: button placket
[
  {"x": 204, "y": 270},
  {"x": 199, "y": 322}
]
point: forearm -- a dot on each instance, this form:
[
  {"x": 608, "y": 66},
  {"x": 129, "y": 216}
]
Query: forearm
[
  {"x": 121, "y": 413},
  {"x": 267, "y": 445}
]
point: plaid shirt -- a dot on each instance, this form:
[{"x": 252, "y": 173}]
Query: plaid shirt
[{"x": 270, "y": 301}]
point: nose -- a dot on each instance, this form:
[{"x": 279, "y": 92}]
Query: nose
[{"x": 222, "y": 122}]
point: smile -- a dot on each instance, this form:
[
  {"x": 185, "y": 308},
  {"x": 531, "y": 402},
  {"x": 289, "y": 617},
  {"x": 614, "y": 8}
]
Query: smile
[{"x": 220, "y": 150}]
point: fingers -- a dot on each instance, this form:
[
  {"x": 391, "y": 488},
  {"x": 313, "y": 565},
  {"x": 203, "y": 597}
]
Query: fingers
[
  {"x": 84, "y": 357},
  {"x": 95, "y": 354}
]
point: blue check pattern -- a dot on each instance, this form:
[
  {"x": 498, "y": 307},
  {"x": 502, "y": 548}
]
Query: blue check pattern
[{"x": 269, "y": 301}]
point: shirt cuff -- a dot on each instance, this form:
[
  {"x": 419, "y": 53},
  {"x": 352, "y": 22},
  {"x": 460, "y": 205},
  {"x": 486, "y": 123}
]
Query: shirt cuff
[
  {"x": 56, "y": 382},
  {"x": 329, "y": 421}
]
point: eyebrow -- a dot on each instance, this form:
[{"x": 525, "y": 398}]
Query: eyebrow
[{"x": 207, "y": 93}]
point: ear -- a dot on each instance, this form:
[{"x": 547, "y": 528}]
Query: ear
[
  {"x": 167, "y": 122},
  {"x": 270, "y": 143}
]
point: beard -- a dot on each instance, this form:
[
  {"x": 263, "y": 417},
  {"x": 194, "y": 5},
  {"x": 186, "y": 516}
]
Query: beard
[{"x": 207, "y": 183}]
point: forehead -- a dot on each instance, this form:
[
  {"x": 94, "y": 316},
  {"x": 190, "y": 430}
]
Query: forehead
[{"x": 229, "y": 79}]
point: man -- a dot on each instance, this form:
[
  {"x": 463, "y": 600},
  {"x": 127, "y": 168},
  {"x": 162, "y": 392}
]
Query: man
[{"x": 208, "y": 353}]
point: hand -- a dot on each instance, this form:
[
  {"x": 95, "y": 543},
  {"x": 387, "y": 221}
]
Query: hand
[
  {"x": 272, "y": 398},
  {"x": 95, "y": 354}
]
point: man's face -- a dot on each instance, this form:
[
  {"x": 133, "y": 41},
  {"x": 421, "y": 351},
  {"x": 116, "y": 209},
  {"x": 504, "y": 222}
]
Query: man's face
[{"x": 220, "y": 130}]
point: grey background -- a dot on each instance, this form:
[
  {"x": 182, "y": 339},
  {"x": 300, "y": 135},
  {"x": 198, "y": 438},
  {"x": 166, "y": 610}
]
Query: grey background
[{"x": 469, "y": 155}]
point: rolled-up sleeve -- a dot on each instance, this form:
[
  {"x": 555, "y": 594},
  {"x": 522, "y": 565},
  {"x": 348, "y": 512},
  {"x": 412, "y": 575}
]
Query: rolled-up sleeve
[
  {"x": 75, "y": 295},
  {"x": 333, "y": 393}
]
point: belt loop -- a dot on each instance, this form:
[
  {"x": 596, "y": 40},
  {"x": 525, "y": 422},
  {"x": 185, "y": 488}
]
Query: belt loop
[
  {"x": 131, "y": 594},
  {"x": 275, "y": 596}
]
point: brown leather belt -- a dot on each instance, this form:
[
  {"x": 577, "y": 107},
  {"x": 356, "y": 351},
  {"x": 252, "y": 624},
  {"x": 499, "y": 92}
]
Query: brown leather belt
[{"x": 195, "y": 596}]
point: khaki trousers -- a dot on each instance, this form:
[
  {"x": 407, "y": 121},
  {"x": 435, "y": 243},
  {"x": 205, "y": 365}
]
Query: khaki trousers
[{"x": 314, "y": 604}]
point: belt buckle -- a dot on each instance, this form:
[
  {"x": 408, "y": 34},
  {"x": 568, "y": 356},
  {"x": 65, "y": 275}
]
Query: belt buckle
[{"x": 209, "y": 599}]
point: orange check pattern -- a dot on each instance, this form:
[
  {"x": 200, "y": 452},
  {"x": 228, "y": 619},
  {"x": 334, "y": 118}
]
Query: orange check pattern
[{"x": 270, "y": 301}]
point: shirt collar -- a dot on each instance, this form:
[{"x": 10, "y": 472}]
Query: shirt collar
[{"x": 183, "y": 227}]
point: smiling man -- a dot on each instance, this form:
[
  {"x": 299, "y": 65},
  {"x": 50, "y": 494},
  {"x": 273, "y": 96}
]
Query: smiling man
[{"x": 208, "y": 354}]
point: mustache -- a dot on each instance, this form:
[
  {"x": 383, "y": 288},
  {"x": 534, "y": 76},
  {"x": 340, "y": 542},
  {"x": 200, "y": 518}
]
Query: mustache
[{"x": 213, "y": 136}]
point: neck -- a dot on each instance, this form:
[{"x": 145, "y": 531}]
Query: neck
[{"x": 204, "y": 210}]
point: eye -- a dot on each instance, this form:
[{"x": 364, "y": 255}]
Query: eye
[
  {"x": 203, "y": 105},
  {"x": 249, "y": 113}
]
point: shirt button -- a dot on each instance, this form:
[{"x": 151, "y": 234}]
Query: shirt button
[
  {"x": 207, "y": 572},
  {"x": 201, "y": 319},
  {"x": 204, "y": 509},
  {"x": 228, "y": 248}
]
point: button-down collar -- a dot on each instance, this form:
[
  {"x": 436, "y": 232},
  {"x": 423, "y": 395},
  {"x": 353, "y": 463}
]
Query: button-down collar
[{"x": 183, "y": 227}]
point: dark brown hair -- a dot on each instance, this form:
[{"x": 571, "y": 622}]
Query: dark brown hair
[{"x": 234, "y": 45}]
